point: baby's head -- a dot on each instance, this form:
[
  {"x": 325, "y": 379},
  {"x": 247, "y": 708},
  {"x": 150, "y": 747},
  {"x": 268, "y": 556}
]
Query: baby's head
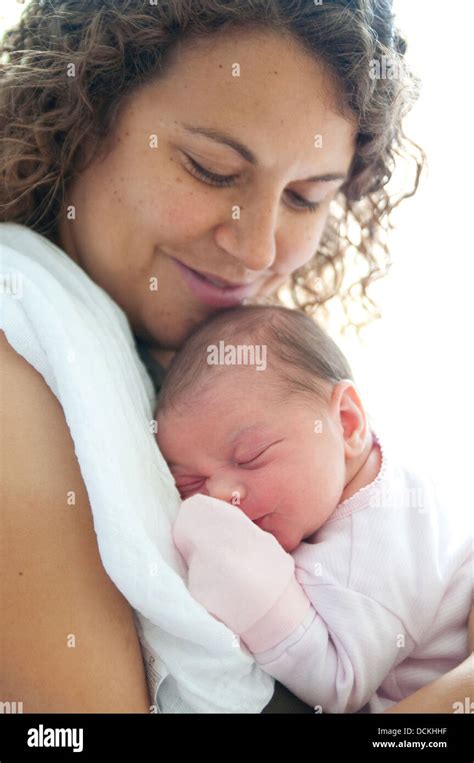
[{"x": 259, "y": 409}]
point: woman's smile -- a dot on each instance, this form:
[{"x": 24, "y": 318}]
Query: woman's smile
[{"x": 209, "y": 292}]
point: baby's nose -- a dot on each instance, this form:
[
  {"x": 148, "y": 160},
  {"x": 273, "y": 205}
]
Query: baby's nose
[{"x": 225, "y": 490}]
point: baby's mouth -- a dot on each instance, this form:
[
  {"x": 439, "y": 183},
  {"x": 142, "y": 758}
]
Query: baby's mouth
[{"x": 259, "y": 521}]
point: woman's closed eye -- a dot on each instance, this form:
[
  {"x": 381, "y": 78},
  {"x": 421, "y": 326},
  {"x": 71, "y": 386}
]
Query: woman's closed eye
[
  {"x": 222, "y": 181},
  {"x": 210, "y": 177}
]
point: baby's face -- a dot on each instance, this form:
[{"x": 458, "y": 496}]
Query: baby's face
[{"x": 281, "y": 464}]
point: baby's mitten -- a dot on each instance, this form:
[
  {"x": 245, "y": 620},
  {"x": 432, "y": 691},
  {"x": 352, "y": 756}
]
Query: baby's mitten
[{"x": 239, "y": 572}]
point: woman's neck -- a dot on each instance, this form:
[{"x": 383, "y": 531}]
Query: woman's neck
[{"x": 164, "y": 357}]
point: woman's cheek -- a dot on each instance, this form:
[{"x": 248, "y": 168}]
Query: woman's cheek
[
  {"x": 317, "y": 229},
  {"x": 298, "y": 242},
  {"x": 187, "y": 215}
]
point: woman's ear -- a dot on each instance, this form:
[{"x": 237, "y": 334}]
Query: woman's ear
[{"x": 346, "y": 405}]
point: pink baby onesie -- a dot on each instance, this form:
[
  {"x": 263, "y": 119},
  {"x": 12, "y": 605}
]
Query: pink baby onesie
[{"x": 369, "y": 609}]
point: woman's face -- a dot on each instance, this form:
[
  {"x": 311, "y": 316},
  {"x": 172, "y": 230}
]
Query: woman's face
[{"x": 145, "y": 214}]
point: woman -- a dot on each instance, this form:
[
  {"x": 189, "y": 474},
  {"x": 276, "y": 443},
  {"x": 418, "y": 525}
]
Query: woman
[{"x": 199, "y": 144}]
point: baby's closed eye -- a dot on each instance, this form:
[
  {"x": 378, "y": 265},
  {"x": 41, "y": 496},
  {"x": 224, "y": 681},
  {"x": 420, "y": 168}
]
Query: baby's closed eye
[
  {"x": 187, "y": 485},
  {"x": 255, "y": 458}
]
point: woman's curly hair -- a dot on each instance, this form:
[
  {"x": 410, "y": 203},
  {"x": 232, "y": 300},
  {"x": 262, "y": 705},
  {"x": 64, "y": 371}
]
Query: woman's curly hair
[{"x": 113, "y": 46}]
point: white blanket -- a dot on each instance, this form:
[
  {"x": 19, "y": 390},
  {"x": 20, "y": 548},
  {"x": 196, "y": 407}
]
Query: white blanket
[{"x": 79, "y": 339}]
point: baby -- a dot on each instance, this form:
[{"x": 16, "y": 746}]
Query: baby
[{"x": 332, "y": 563}]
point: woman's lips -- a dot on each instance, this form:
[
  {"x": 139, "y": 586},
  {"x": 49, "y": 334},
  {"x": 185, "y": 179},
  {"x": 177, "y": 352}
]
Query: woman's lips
[{"x": 211, "y": 294}]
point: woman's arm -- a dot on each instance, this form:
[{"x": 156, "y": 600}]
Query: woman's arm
[
  {"x": 69, "y": 642},
  {"x": 441, "y": 695}
]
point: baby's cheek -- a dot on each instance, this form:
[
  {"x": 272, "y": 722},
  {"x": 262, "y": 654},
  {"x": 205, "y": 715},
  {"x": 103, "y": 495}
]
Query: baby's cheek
[{"x": 269, "y": 490}]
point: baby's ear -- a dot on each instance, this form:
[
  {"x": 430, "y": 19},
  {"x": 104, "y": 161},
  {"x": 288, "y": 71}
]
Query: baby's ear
[{"x": 352, "y": 417}]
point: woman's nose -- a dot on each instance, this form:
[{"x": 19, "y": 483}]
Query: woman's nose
[
  {"x": 225, "y": 489},
  {"x": 251, "y": 235}
]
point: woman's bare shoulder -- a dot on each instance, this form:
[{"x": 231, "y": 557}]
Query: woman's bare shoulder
[{"x": 69, "y": 641}]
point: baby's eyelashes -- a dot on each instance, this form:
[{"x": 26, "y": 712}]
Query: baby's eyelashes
[{"x": 189, "y": 485}]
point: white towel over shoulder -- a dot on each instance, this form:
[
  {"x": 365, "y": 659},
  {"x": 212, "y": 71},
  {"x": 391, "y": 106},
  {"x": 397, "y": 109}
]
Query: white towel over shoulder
[{"x": 79, "y": 339}]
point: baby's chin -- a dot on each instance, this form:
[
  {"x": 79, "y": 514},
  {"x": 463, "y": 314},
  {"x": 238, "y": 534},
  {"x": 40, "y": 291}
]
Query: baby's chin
[
  {"x": 288, "y": 538},
  {"x": 289, "y": 546}
]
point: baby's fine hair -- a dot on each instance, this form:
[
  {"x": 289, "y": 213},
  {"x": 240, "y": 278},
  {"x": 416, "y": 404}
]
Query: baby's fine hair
[{"x": 299, "y": 351}]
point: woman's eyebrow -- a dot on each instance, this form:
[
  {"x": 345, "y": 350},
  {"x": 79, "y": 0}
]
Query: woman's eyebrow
[{"x": 248, "y": 155}]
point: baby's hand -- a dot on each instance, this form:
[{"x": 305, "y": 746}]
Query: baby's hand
[{"x": 235, "y": 570}]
